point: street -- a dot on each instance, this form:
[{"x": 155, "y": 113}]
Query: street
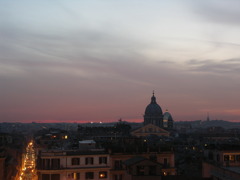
[{"x": 28, "y": 169}]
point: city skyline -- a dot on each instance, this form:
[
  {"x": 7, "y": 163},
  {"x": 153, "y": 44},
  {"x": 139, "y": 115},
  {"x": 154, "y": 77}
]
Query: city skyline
[{"x": 100, "y": 61}]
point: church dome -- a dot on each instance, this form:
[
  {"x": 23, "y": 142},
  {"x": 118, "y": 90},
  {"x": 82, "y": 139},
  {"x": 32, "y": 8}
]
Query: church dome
[
  {"x": 167, "y": 116},
  {"x": 153, "y": 108},
  {"x": 167, "y": 120}
]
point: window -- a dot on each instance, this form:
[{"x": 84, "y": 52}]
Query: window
[
  {"x": 218, "y": 157},
  {"x": 118, "y": 177},
  {"x": 102, "y": 160},
  {"x": 226, "y": 157},
  {"x": 55, "y": 176},
  {"x": 89, "y": 175},
  {"x": 45, "y": 163},
  {"x": 153, "y": 158},
  {"x": 46, "y": 176},
  {"x": 232, "y": 157},
  {"x": 118, "y": 164},
  {"x": 165, "y": 162},
  {"x": 102, "y": 174},
  {"x": 74, "y": 176},
  {"x": 129, "y": 170},
  {"x": 88, "y": 160},
  {"x": 210, "y": 155},
  {"x": 140, "y": 170},
  {"x": 237, "y": 157},
  {"x": 55, "y": 163},
  {"x": 75, "y": 161},
  {"x": 165, "y": 123},
  {"x": 152, "y": 170}
]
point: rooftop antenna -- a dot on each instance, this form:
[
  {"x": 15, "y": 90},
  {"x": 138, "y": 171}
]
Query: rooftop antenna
[{"x": 208, "y": 119}]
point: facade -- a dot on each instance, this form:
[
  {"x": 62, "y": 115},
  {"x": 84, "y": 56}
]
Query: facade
[
  {"x": 221, "y": 164},
  {"x": 72, "y": 165},
  {"x": 142, "y": 168},
  {"x": 148, "y": 130},
  {"x": 120, "y": 129},
  {"x": 92, "y": 162},
  {"x": 154, "y": 115},
  {"x": 11, "y": 148},
  {"x": 2, "y": 165}
]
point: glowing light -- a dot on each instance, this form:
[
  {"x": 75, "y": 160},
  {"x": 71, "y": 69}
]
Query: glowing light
[{"x": 102, "y": 175}]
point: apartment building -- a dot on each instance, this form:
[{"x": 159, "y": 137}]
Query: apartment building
[
  {"x": 99, "y": 164},
  {"x": 73, "y": 165},
  {"x": 222, "y": 164}
]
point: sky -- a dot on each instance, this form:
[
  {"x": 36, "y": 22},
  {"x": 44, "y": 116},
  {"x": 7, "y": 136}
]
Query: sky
[{"x": 91, "y": 60}]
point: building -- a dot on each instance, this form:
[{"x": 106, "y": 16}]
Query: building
[
  {"x": 101, "y": 164},
  {"x": 222, "y": 163},
  {"x": 142, "y": 168},
  {"x": 2, "y": 166},
  {"x": 105, "y": 159},
  {"x": 154, "y": 115},
  {"x": 11, "y": 148},
  {"x": 120, "y": 129},
  {"x": 155, "y": 122},
  {"x": 73, "y": 165},
  {"x": 149, "y": 129},
  {"x": 167, "y": 120}
]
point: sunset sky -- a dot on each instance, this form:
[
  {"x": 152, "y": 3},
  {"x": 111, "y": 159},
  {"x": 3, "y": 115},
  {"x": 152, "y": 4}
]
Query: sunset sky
[{"x": 100, "y": 60}]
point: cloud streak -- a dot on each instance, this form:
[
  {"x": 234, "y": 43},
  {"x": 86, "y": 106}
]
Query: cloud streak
[
  {"x": 231, "y": 66},
  {"x": 219, "y": 11}
]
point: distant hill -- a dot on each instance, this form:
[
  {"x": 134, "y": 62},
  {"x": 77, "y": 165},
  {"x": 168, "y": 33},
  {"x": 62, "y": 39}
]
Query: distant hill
[{"x": 212, "y": 123}]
